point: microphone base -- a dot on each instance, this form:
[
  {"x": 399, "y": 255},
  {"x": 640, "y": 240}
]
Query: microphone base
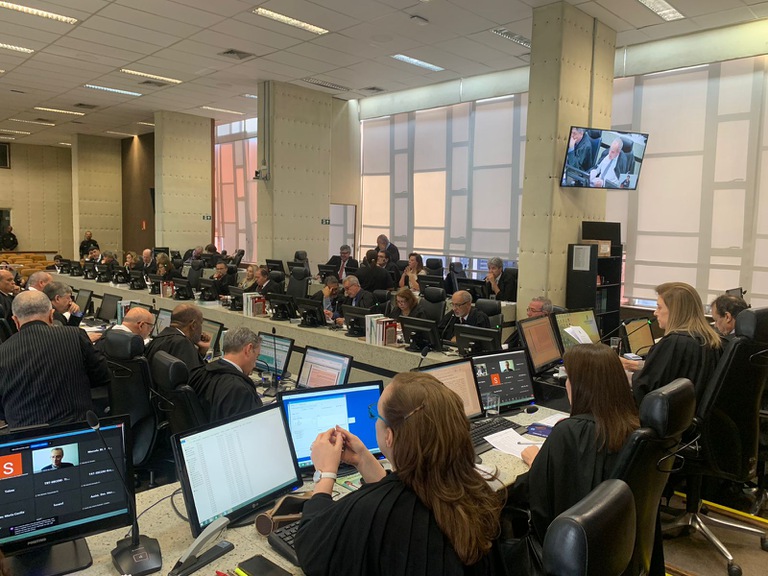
[
  {"x": 144, "y": 558},
  {"x": 272, "y": 391}
]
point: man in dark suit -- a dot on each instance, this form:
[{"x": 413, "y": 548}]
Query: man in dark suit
[
  {"x": 354, "y": 295},
  {"x": 60, "y": 296},
  {"x": 372, "y": 277},
  {"x": 7, "y": 291},
  {"x": 329, "y": 296},
  {"x": 183, "y": 338},
  {"x": 502, "y": 282},
  {"x": 383, "y": 243},
  {"x": 343, "y": 260},
  {"x": 463, "y": 313},
  {"x": 48, "y": 372},
  {"x": 223, "y": 279},
  {"x": 87, "y": 244},
  {"x": 224, "y": 387},
  {"x": 148, "y": 263},
  {"x": 265, "y": 285},
  {"x": 57, "y": 460}
]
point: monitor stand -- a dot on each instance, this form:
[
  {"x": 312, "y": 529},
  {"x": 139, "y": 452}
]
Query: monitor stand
[{"x": 56, "y": 560}]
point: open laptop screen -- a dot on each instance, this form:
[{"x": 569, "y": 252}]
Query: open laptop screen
[
  {"x": 506, "y": 374},
  {"x": 459, "y": 377},
  {"x": 321, "y": 368},
  {"x": 162, "y": 321},
  {"x": 310, "y": 411}
]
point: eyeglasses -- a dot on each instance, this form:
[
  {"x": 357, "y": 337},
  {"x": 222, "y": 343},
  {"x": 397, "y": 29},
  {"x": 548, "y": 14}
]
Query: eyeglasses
[
  {"x": 535, "y": 309},
  {"x": 458, "y": 305},
  {"x": 373, "y": 412}
]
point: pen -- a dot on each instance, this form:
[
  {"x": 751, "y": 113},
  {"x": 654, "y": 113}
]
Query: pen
[{"x": 528, "y": 443}]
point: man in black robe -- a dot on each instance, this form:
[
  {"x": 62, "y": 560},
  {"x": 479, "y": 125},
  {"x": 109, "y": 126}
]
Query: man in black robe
[{"x": 183, "y": 338}]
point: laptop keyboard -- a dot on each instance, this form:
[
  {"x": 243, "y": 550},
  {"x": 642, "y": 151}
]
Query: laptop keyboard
[
  {"x": 282, "y": 541},
  {"x": 482, "y": 428}
]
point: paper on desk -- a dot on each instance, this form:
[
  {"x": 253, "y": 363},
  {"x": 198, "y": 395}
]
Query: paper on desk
[
  {"x": 552, "y": 420},
  {"x": 510, "y": 442},
  {"x": 579, "y": 334}
]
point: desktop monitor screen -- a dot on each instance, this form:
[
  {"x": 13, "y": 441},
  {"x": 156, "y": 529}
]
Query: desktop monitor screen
[
  {"x": 321, "y": 368},
  {"x": 83, "y": 299},
  {"x": 539, "y": 339},
  {"x": 161, "y": 250},
  {"x": 59, "y": 485},
  {"x": 476, "y": 340},
  {"x": 354, "y": 318},
  {"x": 108, "y": 309},
  {"x": 506, "y": 374},
  {"x": 420, "y": 333},
  {"x": 311, "y": 311},
  {"x": 182, "y": 289},
  {"x": 162, "y": 321},
  {"x": 214, "y": 330},
  {"x": 310, "y": 411},
  {"x": 275, "y": 265},
  {"x": 234, "y": 467},
  {"x": 477, "y": 288},
  {"x": 738, "y": 292},
  {"x": 275, "y": 353},
  {"x": 459, "y": 377},
  {"x": 326, "y": 269},
  {"x": 283, "y": 306},
  {"x": 591, "y": 163},
  {"x": 430, "y": 281},
  {"x": 638, "y": 336},
  {"x": 577, "y": 327}
]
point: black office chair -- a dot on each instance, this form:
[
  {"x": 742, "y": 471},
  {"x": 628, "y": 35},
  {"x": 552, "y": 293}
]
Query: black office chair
[
  {"x": 301, "y": 256},
  {"x": 195, "y": 273},
  {"x": 645, "y": 462},
  {"x": 727, "y": 426},
  {"x": 238, "y": 257},
  {"x": 433, "y": 303},
  {"x": 455, "y": 270},
  {"x": 492, "y": 309},
  {"x": 595, "y": 536},
  {"x": 434, "y": 267},
  {"x": 5, "y": 330},
  {"x": 171, "y": 376},
  {"x": 130, "y": 392},
  {"x": 558, "y": 309},
  {"x": 278, "y": 278},
  {"x": 298, "y": 284},
  {"x": 382, "y": 301},
  {"x": 401, "y": 266}
]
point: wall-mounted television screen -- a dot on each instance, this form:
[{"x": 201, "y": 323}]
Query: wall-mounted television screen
[{"x": 597, "y": 158}]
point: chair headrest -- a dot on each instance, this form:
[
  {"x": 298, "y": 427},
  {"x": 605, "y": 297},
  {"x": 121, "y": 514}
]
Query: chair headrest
[
  {"x": 196, "y": 264},
  {"x": 276, "y": 276},
  {"x": 300, "y": 255},
  {"x": 299, "y": 273},
  {"x": 457, "y": 267},
  {"x": 434, "y": 294},
  {"x": 752, "y": 323},
  {"x": 231, "y": 269},
  {"x": 168, "y": 371},
  {"x": 239, "y": 252},
  {"x": 433, "y": 263},
  {"x": 626, "y": 144},
  {"x": 490, "y": 307},
  {"x": 381, "y": 296},
  {"x": 121, "y": 345},
  {"x": 669, "y": 410},
  {"x": 595, "y": 133}
]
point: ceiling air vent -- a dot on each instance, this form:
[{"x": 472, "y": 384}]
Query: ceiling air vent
[
  {"x": 373, "y": 89},
  {"x": 86, "y": 106},
  {"x": 76, "y": 122},
  {"x": 48, "y": 120},
  {"x": 154, "y": 83},
  {"x": 236, "y": 54}
]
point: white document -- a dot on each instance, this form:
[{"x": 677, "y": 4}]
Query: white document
[
  {"x": 579, "y": 334},
  {"x": 552, "y": 420},
  {"x": 511, "y": 442}
]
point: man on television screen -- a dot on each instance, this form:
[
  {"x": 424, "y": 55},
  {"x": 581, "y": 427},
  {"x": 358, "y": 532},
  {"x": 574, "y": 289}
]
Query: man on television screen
[
  {"x": 579, "y": 150},
  {"x": 608, "y": 171},
  {"x": 57, "y": 460}
]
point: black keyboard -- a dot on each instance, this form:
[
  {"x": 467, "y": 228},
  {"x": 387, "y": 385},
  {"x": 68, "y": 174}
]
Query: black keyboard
[
  {"x": 482, "y": 428},
  {"x": 282, "y": 541}
]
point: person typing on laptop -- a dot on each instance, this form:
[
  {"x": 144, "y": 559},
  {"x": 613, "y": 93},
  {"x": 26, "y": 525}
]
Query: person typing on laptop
[{"x": 421, "y": 428}]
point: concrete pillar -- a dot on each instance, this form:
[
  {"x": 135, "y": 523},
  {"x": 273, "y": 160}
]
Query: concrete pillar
[{"x": 571, "y": 83}]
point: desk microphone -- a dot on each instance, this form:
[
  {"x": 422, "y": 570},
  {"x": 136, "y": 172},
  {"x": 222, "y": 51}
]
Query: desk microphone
[
  {"x": 451, "y": 322},
  {"x": 424, "y": 352},
  {"x": 137, "y": 555}
]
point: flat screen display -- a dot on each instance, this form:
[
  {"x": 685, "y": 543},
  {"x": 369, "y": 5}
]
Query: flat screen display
[
  {"x": 639, "y": 336},
  {"x": 275, "y": 353},
  {"x": 108, "y": 309},
  {"x": 321, "y": 368},
  {"x": 214, "y": 330},
  {"x": 539, "y": 338},
  {"x": 577, "y": 327},
  {"x": 458, "y": 375},
  {"x": 83, "y": 299},
  {"x": 597, "y": 158},
  {"x": 162, "y": 321},
  {"x": 505, "y": 374}
]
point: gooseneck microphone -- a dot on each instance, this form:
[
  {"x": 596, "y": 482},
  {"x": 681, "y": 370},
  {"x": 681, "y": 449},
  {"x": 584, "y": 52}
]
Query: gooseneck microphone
[
  {"x": 136, "y": 555},
  {"x": 424, "y": 352}
]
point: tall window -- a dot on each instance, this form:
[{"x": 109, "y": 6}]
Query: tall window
[{"x": 235, "y": 197}]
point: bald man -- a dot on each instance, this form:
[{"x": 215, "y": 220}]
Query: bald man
[
  {"x": 608, "y": 171},
  {"x": 137, "y": 320},
  {"x": 184, "y": 338},
  {"x": 7, "y": 291},
  {"x": 38, "y": 280}
]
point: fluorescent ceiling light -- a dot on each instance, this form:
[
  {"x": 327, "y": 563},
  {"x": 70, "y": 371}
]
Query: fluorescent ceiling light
[
  {"x": 325, "y": 84},
  {"x": 7, "y": 131},
  {"x": 65, "y": 143},
  {"x": 153, "y": 76},
  {"x": 416, "y": 62},
  {"x": 16, "y": 48},
  {"x": 6, "y": 137},
  {"x": 36, "y": 12},
  {"x": 145, "y": 123},
  {"x": 290, "y": 21},
  {"x": 115, "y": 90},
  {"x": 119, "y": 133},
  {"x": 516, "y": 38},
  {"x": 250, "y": 96},
  {"x": 222, "y": 110},
  {"x": 42, "y": 109},
  {"x": 2, "y": 71},
  {"x": 663, "y": 9},
  {"x": 683, "y": 69},
  {"x": 32, "y": 122},
  {"x": 495, "y": 99}
]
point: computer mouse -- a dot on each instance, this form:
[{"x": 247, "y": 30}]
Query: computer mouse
[{"x": 531, "y": 409}]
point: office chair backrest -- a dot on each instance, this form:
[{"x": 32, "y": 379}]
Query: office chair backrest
[
  {"x": 168, "y": 372},
  {"x": 238, "y": 257},
  {"x": 278, "y": 278},
  {"x": 558, "y": 309},
  {"x": 187, "y": 411},
  {"x": 728, "y": 411},
  {"x": 434, "y": 267},
  {"x": 455, "y": 270},
  {"x": 433, "y": 303},
  {"x": 195, "y": 273},
  {"x": 647, "y": 458},
  {"x": 301, "y": 256},
  {"x": 402, "y": 265},
  {"x": 382, "y": 301},
  {"x": 299, "y": 282},
  {"x": 130, "y": 389},
  {"x": 5, "y": 330},
  {"x": 595, "y": 536},
  {"x": 492, "y": 309}
]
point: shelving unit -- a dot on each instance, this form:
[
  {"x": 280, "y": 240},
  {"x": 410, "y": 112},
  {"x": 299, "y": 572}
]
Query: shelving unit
[{"x": 593, "y": 282}]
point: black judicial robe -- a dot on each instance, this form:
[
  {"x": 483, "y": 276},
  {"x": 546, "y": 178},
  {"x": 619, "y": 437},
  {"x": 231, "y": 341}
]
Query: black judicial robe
[
  {"x": 383, "y": 528},
  {"x": 224, "y": 390},
  {"x": 676, "y": 355}
]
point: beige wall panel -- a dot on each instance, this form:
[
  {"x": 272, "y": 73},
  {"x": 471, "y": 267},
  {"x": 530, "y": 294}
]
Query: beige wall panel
[
  {"x": 345, "y": 157},
  {"x": 183, "y": 180},
  {"x": 97, "y": 197},
  {"x": 138, "y": 178},
  {"x": 38, "y": 191}
]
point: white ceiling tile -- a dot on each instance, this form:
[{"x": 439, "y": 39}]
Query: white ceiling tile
[
  {"x": 309, "y": 64},
  {"x": 315, "y": 14},
  {"x": 760, "y": 10},
  {"x": 470, "y": 49},
  {"x": 253, "y": 33},
  {"x": 362, "y": 10},
  {"x": 631, "y": 11},
  {"x": 223, "y": 7},
  {"x": 629, "y": 37},
  {"x": 451, "y": 17},
  {"x": 85, "y": 53},
  {"x": 149, "y": 21},
  {"x": 495, "y": 11},
  {"x": 205, "y": 55},
  {"x": 501, "y": 44},
  {"x": 108, "y": 39},
  {"x": 174, "y": 11},
  {"x": 397, "y": 29},
  {"x": 607, "y": 17},
  {"x": 668, "y": 29},
  {"x": 351, "y": 46},
  {"x": 75, "y": 8},
  {"x": 691, "y": 8},
  {"x": 724, "y": 18},
  {"x": 128, "y": 31},
  {"x": 225, "y": 42},
  {"x": 312, "y": 50}
]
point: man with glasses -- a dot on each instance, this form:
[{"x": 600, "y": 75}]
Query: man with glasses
[
  {"x": 137, "y": 320},
  {"x": 463, "y": 313},
  {"x": 539, "y": 306},
  {"x": 343, "y": 260}
]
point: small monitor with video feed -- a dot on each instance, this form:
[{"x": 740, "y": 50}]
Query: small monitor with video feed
[
  {"x": 214, "y": 330},
  {"x": 162, "y": 321},
  {"x": 505, "y": 374},
  {"x": 577, "y": 327},
  {"x": 321, "y": 368},
  {"x": 274, "y": 354},
  {"x": 538, "y": 337},
  {"x": 458, "y": 375}
]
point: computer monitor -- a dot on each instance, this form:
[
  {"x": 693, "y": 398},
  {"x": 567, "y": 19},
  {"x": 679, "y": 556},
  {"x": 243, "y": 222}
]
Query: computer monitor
[
  {"x": 236, "y": 298},
  {"x": 293, "y": 264},
  {"x": 420, "y": 333},
  {"x": 137, "y": 280},
  {"x": 47, "y": 511},
  {"x": 65, "y": 266},
  {"x": 312, "y": 312},
  {"x": 235, "y": 467},
  {"x": 182, "y": 290},
  {"x": 354, "y": 318},
  {"x": 505, "y": 374},
  {"x": 577, "y": 327},
  {"x": 75, "y": 269},
  {"x": 103, "y": 273},
  {"x": 327, "y": 269},
  {"x": 214, "y": 330},
  {"x": 310, "y": 411},
  {"x": 458, "y": 375},
  {"x": 208, "y": 291},
  {"x": 430, "y": 281},
  {"x": 108, "y": 309},
  {"x": 275, "y": 265},
  {"x": 283, "y": 306},
  {"x": 162, "y": 321},
  {"x": 89, "y": 270},
  {"x": 274, "y": 355},
  {"x": 738, "y": 292},
  {"x": 538, "y": 336},
  {"x": 476, "y": 288},
  {"x": 638, "y": 336},
  {"x": 321, "y": 368},
  {"x": 83, "y": 299},
  {"x": 209, "y": 260},
  {"x": 349, "y": 270},
  {"x": 472, "y": 340},
  {"x": 156, "y": 281},
  {"x": 161, "y": 250}
]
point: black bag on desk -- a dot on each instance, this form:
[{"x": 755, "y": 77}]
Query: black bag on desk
[{"x": 521, "y": 550}]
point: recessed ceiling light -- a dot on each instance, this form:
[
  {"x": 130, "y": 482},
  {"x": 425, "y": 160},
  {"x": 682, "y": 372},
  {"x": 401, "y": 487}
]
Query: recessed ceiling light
[
  {"x": 222, "y": 110},
  {"x": 115, "y": 90},
  {"x": 153, "y": 76},
  {"x": 65, "y": 144},
  {"x": 32, "y": 122},
  {"x": 36, "y": 12},
  {"x": 145, "y": 123},
  {"x": 325, "y": 84},
  {"x": 416, "y": 62},
  {"x": 516, "y": 38},
  {"x": 59, "y": 111},
  {"x": 119, "y": 133},
  {"x": 250, "y": 96},
  {"x": 290, "y": 21},
  {"x": 663, "y": 9},
  {"x": 7, "y": 131},
  {"x": 16, "y": 48},
  {"x": 6, "y": 137}
]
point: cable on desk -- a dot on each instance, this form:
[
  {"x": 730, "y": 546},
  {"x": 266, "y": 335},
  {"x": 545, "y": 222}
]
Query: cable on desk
[
  {"x": 147, "y": 509},
  {"x": 175, "y": 509}
]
